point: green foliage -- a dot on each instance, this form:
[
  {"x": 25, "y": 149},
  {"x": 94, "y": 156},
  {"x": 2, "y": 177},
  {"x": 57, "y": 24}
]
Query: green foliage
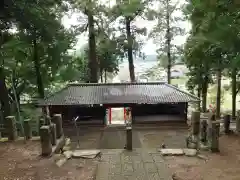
[
  {"x": 213, "y": 96},
  {"x": 213, "y": 44}
]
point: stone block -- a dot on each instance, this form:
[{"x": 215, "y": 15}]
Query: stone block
[
  {"x": 57, "y": 119},
  {"x": 171, "y": 152},
  {"x": 190, "y": 152},
  {"x": 46, "y": 144},
  {"x": 60, "y": 162},
  {"x": 27, "y": 129},
  {"x": 68, "y": 154},
  {"x": 12, "y": 128},
  {"x": 53, "y": 134}
]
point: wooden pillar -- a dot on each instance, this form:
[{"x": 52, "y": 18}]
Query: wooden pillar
[
  {"x": 12, "y": 128},
  {"x": 45, "y": 136},
  {"x": 124, "y": 114},
  {"x": 57, "y": 119},
  {"x": 186, "y": 111},
  {"x": 226, "y": 122},
  {"x": 214, "y": 141},
  {"x": 53, "y": 134},
  {"x": 129, "y": 138},
  {"x": 27, "y": 129},
  {"x": 110, "y": 115}
]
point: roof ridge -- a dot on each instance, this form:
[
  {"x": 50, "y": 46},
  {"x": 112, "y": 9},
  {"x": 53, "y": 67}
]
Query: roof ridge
[
  {"x": 187, "y": 93},
  {"x": 122, "y": 84}
]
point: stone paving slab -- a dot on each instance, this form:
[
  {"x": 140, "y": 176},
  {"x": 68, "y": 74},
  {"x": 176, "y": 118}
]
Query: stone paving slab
[{"x": 139, "y": 164}]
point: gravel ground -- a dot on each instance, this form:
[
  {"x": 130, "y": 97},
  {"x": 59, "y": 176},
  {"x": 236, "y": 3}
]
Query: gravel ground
[{"x": 21, "y": 161}]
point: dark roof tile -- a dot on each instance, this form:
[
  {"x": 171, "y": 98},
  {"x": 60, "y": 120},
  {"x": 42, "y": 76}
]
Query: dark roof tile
[{"x": 118, "y": 93}]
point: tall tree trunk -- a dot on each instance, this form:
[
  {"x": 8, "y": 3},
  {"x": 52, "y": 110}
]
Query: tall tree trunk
[
  {"x": 199, "y": 95},
  {"x": 234, "y": 92},
  {"x": 93, "y": 64},
  {"x": 130, "y": 50},
  {"x": 101, "y": 75},
  {"x": 204, "y": 94},
  {"x": 4, "y": 98},
  {"x": 168, "y": 36},
  {"x": 37, "y": 67},
  {"x": 218, "y": 102},
  {"x": 105, "y": 73}
]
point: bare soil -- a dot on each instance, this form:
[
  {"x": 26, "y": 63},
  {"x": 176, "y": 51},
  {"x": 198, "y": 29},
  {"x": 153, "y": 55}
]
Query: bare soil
[
  {"x": 21, "y": 161},
  {"x": 224, "y": 165}
]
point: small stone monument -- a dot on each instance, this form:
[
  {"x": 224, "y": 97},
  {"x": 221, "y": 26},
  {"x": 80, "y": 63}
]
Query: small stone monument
[
  {"x": 214, "y": 141},
  {"x": 203, "y": 131},
  {"x": 53, "y": 134},
  {"x": 195, "y": 123},
  {"x": 57, "y": 119},
  {"x": 27, "y": 129},
  {"x": 12, "y": 128},
  {"x": 45, "y": 135},
  {"x": 227, "y": 119}
]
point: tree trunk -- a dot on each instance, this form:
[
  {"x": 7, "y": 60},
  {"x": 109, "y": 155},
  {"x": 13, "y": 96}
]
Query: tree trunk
[
  {"x": 204, "y": 94},
  {"x": 93, "y": 64},
  {"x": 199, "y": 95},
  {"x": 105, "y": 73},
  {"x": 4, "y": 98},
  {"x": 168, "y": 36},
  {"x": 130, "y": 50},
  {"x": 218, "y": 102},
  {"x": 101, "y": 75},
  {"x": 37, "y": 67},
  {"x": 234, "y": 92}
]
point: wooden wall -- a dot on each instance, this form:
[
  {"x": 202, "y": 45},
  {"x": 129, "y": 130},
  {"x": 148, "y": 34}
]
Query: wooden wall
[
  {"x": 86, "y": 114},
  {"x": 159, "y": 109}
]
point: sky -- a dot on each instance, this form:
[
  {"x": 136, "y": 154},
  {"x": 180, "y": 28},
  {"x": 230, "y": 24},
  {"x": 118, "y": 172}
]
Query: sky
[{"x": 149, "y": 47}]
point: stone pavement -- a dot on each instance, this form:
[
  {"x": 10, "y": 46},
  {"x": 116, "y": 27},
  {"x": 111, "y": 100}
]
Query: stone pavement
[{"x": 140, "y": 164}]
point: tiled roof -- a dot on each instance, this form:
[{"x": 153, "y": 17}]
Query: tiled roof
[{"x": 118, "y": 93}]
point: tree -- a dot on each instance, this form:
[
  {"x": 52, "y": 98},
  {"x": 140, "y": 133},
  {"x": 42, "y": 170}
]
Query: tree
[
  {"x": 38, "y": 44},
  {"x": 126, "y": 12},
  {"x": 216, "y": 25},
  {"x": 165, "y": 30}
]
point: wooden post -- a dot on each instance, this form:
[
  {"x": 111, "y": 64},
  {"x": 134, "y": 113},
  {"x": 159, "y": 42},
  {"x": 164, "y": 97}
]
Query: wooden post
[
  {"x": 46, "y": 144},
  {"x": 27, "y": 129},
  {"x": 12, "y": 128},
  {"x": 129, "y": 138},
  {"x": 203, "y": 131},
  {"x": 214, "y": 141},
  {"x": 226, "y": 121},
  {"x": 110, "y": 115},
  {"x": 53, "y": 134},
  {"x": 195, "y": 123},
  {"x": 57, "y": 119},
  {"x": 238, "y": 123}
]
